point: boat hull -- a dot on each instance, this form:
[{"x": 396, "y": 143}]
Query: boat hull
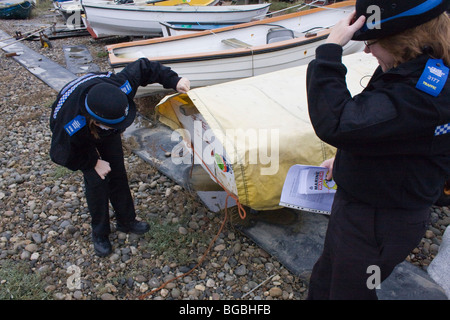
[
  {"x": 20, "y": 10},
  {"x": 220, "y": 69},
  {"x": 108, "y": 20}
]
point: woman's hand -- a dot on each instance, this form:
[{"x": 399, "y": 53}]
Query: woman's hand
[
  {"x": 102, "y": 167},
  {"x": 343, "y": 31},
  {"x": 328, "y": 164},
  {"x": 183, "y": 85}
]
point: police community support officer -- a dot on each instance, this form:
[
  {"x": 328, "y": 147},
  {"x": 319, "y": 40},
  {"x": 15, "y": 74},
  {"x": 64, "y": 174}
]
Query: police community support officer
[
  {"x": 393, "y": 140},
  {"x": 87, "y": 120}
]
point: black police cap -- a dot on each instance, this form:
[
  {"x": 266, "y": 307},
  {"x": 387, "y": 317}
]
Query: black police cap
[{"x": 110, "y": 106}]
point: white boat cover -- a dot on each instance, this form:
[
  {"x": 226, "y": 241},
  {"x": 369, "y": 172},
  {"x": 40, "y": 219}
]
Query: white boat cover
[
  {"x": 439, "y": 268},
  {"x": 263, "y": 124}
]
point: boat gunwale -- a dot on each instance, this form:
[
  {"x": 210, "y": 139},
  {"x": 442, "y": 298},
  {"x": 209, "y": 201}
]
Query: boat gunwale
[
  {"x": 231, "y": 53},
  {"x": 174, "y": 25},
  {"x": 162, "y": 3},
  {"x": 219, "y": 30},
  {"x": 195, "y": 9}
]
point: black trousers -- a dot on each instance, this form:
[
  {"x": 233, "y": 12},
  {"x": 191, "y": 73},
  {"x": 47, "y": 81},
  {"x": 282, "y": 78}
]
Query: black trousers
[
  {"x": 114, "y": 188},
  {"x": 362, "y": 244}
]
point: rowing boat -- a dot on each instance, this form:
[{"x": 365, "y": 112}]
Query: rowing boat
[
  {"x": 106, "y": 18},
  {"x": 239, "y": 51}
]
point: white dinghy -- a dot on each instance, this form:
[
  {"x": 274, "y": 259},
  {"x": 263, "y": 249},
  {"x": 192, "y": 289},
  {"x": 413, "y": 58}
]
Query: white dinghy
[{"x": 240, "y": 51}]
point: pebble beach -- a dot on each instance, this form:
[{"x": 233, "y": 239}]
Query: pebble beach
[{"x": 45, "y": 233}]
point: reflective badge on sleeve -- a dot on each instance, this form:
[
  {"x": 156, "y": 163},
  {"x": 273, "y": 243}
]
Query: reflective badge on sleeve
[
  {"x": 126, "y": 87},
  {"x": 433, "y": 78},
  {"x": 76, "y": 124},
  {"x": 442, "y": 129}
]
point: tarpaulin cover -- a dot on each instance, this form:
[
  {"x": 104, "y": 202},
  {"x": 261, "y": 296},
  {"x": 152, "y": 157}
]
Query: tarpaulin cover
[{"x": 263, "y": 124}]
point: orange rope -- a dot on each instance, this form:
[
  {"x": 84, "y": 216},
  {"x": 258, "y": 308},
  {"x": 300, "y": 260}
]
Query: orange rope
[{"x": 242, "y": 214}]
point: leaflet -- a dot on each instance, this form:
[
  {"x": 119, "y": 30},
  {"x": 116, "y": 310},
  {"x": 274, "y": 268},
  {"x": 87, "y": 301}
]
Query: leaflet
[
  {"x": 313, "y": 180},
  {"x": 306, "y": 188}
]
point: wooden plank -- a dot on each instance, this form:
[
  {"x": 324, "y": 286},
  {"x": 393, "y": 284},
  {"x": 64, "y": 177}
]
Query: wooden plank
[{"x": 235, "y": 43}]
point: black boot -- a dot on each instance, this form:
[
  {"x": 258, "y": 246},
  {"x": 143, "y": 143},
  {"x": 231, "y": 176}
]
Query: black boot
[
  {"x": 102, "y": 246},
  {"x": 137, "y": 227}
]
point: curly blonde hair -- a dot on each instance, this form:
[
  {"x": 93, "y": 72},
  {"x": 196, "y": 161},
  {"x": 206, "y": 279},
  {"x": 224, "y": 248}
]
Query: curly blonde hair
[{"x": 433, "y": 35}]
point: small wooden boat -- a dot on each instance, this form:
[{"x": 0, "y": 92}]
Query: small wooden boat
[
  {"x": 240, "y": 51},
  {"x": 68, "y": 8},
  {"x": 15, "y": 9},
  {"x": 106, "y": 18}
]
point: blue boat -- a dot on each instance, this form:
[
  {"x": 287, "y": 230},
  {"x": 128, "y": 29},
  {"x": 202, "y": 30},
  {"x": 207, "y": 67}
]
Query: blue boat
[{"x": 15, "y": 9}]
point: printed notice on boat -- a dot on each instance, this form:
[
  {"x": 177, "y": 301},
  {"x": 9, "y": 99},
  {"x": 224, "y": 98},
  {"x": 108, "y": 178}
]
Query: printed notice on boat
[{"x": 306, "y": 188}]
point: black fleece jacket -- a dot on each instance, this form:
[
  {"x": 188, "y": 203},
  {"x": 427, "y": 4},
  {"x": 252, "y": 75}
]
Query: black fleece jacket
[
  {"x": 388, "y": 154},
  {"x": 78, "y": 152}
]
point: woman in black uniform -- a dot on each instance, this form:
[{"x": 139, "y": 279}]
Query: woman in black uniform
[
  {"x": 393, "y": 140},
  {"x": 87, "y": 120}
]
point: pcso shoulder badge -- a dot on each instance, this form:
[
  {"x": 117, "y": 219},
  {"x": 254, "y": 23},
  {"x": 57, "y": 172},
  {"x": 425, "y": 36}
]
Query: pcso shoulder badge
[
  {"x": 75, "y": 124},
  {"x": 433, "y": 78},
  {"x": 126, "y": 87}
]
